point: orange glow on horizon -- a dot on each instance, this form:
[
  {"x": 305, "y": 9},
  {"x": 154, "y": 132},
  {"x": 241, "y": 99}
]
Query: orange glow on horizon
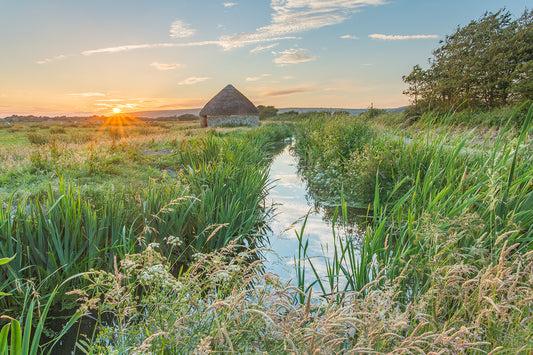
[
  {"x": 116, "y": 124},
  {"x": 116, "y": 110}
]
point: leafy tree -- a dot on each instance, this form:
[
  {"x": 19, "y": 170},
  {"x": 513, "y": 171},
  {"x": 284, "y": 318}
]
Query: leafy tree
[
  {"x": 416, "y": 81},
  {"x": 486, "y": 64},
  {"x": 267, "y": 111}
]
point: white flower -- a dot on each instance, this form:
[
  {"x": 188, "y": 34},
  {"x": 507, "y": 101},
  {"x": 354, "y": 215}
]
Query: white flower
[
  {"x": 198, "y": 256},
  {"x": 174, "y": 241}
]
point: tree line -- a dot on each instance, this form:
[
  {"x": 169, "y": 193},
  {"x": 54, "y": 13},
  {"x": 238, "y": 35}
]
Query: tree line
[{"x": 483, "y": 65}]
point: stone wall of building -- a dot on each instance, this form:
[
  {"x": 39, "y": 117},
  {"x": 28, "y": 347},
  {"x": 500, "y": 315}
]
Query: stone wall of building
[{"x": 233, "y": 120}]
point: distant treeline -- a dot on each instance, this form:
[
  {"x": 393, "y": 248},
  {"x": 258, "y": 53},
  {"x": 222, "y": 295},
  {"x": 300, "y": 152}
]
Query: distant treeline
[{"x": 484, "y": 65}]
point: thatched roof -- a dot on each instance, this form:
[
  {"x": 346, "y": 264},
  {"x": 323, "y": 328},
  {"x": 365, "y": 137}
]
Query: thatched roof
[{"x": 229, "y": 101}]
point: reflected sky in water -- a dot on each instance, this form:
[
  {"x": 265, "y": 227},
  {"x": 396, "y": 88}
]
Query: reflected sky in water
[{"x": 290, "y": 199}]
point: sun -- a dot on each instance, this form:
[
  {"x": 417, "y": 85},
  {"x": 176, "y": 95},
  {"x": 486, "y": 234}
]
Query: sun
[{"x": 116, "y": 110}]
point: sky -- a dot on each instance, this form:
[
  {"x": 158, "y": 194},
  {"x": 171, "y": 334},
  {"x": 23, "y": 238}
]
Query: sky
[{"x": 74, "y": 57}]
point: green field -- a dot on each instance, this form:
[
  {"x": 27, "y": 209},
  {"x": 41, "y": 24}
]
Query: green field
[{"x": 159, "y": 228}]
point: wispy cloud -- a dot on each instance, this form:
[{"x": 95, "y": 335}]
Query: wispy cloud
[
  {"x": 48, "y": 60},
  {"x": 165, "y": 66},
  {"x": 297, "y": 16},
  {"x": 263, "y": 48},
  {"x": 229, "y": 4},
  {"x": 130, "y": 47},
  {"x": 349, "y": 37},
  {"x": 293, "y": 56},
  {"x": 286, "y": 92},
  {"x": 256, "y": 78},
  {"x": 87, "y": 94},
  {"x": 400, "y": 37},
  {"x": 193, "y": 80},
  {"x": 289, "y": 17},
  {"x": 180, "y": 29}
]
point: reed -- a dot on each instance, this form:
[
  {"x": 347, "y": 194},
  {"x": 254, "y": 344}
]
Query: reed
[
  {"x": 222, "y": 181},
  {"x": 441, "y": 207}
]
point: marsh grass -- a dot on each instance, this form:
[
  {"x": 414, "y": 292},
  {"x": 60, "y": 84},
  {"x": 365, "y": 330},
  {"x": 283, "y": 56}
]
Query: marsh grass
[
  {"x": 68, "y": 228},
  {"x": 223, "y": 304},
  {"x": 447, "y": 222}
]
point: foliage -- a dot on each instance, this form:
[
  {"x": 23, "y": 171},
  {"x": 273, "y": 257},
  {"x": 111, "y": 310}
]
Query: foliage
[
  {"x": 67, "y": 230},
  {"x": 486, "y": 64},
  {"x": 448, "y": 221},
  {"x": 17, "y": 340},
  {"x": 267, "y": 112},
  {"x": 222, "y": 304},
  {"x": 325, "y": 144}
]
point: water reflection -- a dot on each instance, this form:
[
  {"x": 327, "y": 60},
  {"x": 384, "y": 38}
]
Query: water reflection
[{"x": 292, "y": 203}]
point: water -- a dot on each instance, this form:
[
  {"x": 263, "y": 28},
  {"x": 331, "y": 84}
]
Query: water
[{"x": 292, "y": 204}]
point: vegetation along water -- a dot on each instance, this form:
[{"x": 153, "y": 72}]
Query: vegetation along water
[{"x": 156, "y": 231}]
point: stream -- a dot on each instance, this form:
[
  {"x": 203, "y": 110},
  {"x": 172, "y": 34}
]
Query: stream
[{"x": 292, "y": 203}]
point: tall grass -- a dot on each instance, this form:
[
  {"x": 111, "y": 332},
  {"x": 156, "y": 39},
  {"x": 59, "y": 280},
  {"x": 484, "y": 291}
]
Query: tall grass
[
  {"x": 446, "y": 219},
  {"x": 216, "y": 198},
  {"x": 223, "y": 304}
]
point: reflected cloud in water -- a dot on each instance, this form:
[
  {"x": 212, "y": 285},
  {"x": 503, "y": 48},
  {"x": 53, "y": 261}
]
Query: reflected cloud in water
[{"x": 292, "y": 203}]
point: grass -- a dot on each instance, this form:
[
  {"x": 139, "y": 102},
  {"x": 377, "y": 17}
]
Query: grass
[
  {"x": 452, "y": 229},
  {"x": 444, "y": 265},
  {"x": 80, "y": 221}
]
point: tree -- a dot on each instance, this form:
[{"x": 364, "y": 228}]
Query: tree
[
  {"x": 485, "y": 64},
  {"x": 267, "y": 111},
  {"x": 416, "y": 81}
]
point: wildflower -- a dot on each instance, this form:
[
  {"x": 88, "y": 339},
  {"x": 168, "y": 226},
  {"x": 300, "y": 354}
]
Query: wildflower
[
  {"x": 198, "y": 256},
  {"x": 174, "y": 241},
  {"x": 127, "y": 264},
  {"x": 153, "y": 245},
  {"x": 158, "y": 275}
]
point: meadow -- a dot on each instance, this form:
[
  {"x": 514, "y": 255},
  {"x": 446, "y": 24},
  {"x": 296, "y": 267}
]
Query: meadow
[{"x": 157, "y": 233}]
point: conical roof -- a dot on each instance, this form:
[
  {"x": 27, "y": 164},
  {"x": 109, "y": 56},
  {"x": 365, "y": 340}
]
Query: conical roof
[{"x": 229, "y": 101}]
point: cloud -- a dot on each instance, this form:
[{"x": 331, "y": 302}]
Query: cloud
[
  {"x": 87, "y": 94},
  {"x": 293, "y": 56},
  {"x": 263, "y": 48},
  {"x": 165, "y": 66},
  {"x": 286, "y": 92},
  {"x": 48, "y": 60},
  {"x": 349, "y": 37},
  {"x": 288, "y": 18},
  {"x": 130, "y": 47},
  {"x": 193, "y": 80},
  {"x": 399, "y": 37},
  {"x": 297, "y": 16},
  {"x": 256, "y": 78},
  {"x": 229, "y": 4},
  {"x": 179, "y": 29}
]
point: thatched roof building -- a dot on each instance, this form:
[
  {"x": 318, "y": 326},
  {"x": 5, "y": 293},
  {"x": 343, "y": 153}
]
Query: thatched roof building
[{"x": 229, "y": 107}]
